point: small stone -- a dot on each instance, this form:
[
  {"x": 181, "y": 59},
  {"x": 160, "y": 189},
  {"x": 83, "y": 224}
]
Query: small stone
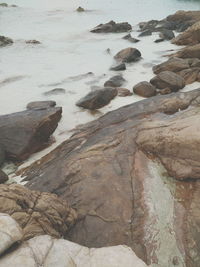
[
  {"x": 33, "y": 42},
  {"x": 124, "y": 92},
  {"x": 145, "y": 33},
  {"x": 119, "y": 67},
  {"x": 159, "y": 40},
  {"x": 80, "y": 9},
  {"x": 5, "y": 41}
]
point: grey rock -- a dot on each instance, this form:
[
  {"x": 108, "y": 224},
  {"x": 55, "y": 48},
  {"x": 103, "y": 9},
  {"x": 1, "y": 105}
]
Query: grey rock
[
  {"x": 41, "y": 104},
  {"x": 115, "y": 81}
]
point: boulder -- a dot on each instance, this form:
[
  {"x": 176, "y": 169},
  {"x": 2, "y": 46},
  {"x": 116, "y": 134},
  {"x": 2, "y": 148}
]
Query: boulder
[
  {"x": 55, "y": 91},
  {"x": 34, "y": 42},
  {"x": 118, "y": 67},
  {"x": 80, "y": 9},
  {"x": 166, "y": 34},
  {"x": 110, "y": 172},
  {"x": 10, "y": 232},
  {"x": 183, "y": 19},
  {"x": 3, "y": 177},
  {"x": 145, "y": 33},
  {"x": 130, "y": 38},
  {"x": 144, "y": 89},
  {"x": 189, "y": 52},
  {"x": 41, "y": 105},
  {"x": 46, "y": 251},
  {"x": 98, "y": 98},
  {"x": 168, "y": 79},
  {"x": 173, "y": 64},
  {"x": 124, "y": 92},
  {"x": 190, "y": 75},
  {"x": 112, "y": 27},
  {"x": 4, "y": 41},
  {"x": 149, "y": 25},
  {"x": 2, "y": 155},
  {"x": 128, "y": 55},
  {"x": 26, "y": 132},
  {"x": 37, "y": 213},
  {"x": 115, "y": 81}
]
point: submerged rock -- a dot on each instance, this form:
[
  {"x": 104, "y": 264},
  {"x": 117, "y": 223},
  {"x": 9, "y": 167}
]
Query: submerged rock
[
  {"x": 115, "y": 81},
  {"x": 145, "y": 33},
  {"x": 119, "y": 191},
  {"x": 56, "y": 91},
  {"x": 130, "y": 38},
  {"x": 4, "y": 41},
  {"x": 80, "y": 9},
  {"x": 168, "y": 79},
  {"x": 98, "y": 98},
  {"x": 41, "y": 105},
  {"x": 35, "y": 42},
  {"x": 112, "y": 27},
  {"x": 23, "y": 133},
  {"x": 166, "y": 34},
  {"x": 36, "y": 213},
  {"x": 128, "y": 55},
  {"x": 144, "y": 89},
  {"x": 118, "y": 67}
]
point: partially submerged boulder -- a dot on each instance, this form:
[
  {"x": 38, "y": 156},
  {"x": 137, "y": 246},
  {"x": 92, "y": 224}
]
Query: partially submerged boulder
[
  {"x": 115, "y": 81},
  {"x": 144, "y": 89},
  {"x": 4, "y": 41},
  {"x": 128, "y": 55},
  {"x": 3, "y": 177},
  {"x": 98, "y": 98},
  {"x": 36, "y": 213},
  {"x": 26, "y": 132},
  {"x": 112, "y": 27},
  {"x": 168, "y": 79},
  {"x": 10, "y": 232},
  {"x": 55, "y": 91},
  {"x": 41, "y": 105},
  {"x": 118, "y": 67}
]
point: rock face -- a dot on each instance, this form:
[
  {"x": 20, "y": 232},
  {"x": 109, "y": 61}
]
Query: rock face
[
  {"x": 41, "y": 105},
  {"x": 144, "y": 89},
  {"x": 26, "y": 132},
  {"x": 98, "y": 98},
  {"x": 4, "y": 41},
  {"x": 112, "y": 27},
  {"x": 128, "y": 55},
  {"x": 36, "y": 213},
  {"x": 110, "y": 171},
  {"x": 168, "y": 79},
  {"x": 10, "y": 232},
  {"x": 115, "y": 81},
  {"x": 46, "y": 251}
]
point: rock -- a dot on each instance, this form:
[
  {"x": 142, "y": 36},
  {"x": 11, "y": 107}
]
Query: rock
[
  {"x": 165, "y": 91},
  {"x": 159, "y": 40},
  {"x": 3, "y": 177},
  {"x": 33, "y": 42},
  {"x": 63, "y": 253},
  {"x": 41, "y": 105},
  {"x": 112, "y": 27},
  {"x": 97, "y": 99},
  {"x": 4, "y": 41},
  {"x": 26, "y": 132},
  {"x": 115, "y": 81},
  {"x": 10, "y": 232},
  {"x": 173, "y": 65},
  {"x": 166, "y": 34},
  {"x": 189, "y": 52},
  {"x": 128, "y": 55},
  {"x": 190, "y": 75},
  {"x": 144, "y": 89},
  {"x": 118, "y": 67},
  {"x": 181, "y": 17},
  {"x": 130, "y": 38},
  {"x": 145, "y": 33},
  {"x": 168, "y": 79},
  {"x": 80, "y": 9},
  {"x": 119, "y": 189},
  {"x": 124, "y": 92},
  {"x": 37, "y": 213},
  {"x": 149, "y": 25},
  {"x": 2, "y": 155},
  {"x": 190, "y": 36},
  {"x": 56, "y": 91},
  {"x": 4, "y": 4}
]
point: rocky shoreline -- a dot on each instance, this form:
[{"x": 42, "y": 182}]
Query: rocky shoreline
[{"x": 129, "y": 178}]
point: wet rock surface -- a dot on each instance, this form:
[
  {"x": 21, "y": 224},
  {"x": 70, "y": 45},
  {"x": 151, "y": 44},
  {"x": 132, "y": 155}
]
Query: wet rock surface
[
  {"x": 41, "y": 105},
  {"x": 118, "y": 67},
  {"x": 26, "y": 132},
  {"x": 128, "y": 55},
  {"x": 144, "y": 89},
  {"x": 4, "y": 41},
  {"x": 115, "y": 81},
  {"x": 98, "y": 98},
  {"x": 3, "y": 177},
  {"x": 109, "y": 171},
  {"x": 55, "y": 91},
  {"x": 36, "y": 213},
  {"x": 112, "y": 27}
]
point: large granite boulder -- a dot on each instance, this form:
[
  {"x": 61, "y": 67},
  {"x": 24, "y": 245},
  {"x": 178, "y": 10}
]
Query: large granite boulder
[
  {"x": 128, "y": 55},
  {"x": 110, "y": 172},
  {"x": 26, "y": 132},
  {"x": 112, "y": 27},
  {"x": 98, "y": 98},
  {"x": 168, "y": 79},
  {"x": 37, "y": 213},
  {"x": 173, "y": 64},
  {"x": 10, "y": 232},
  {"x": 144, "y": 89},
  {"x": 48, "y": 252}
]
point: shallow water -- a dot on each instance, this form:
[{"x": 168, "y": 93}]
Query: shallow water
[{"x": 68, "y": 50}]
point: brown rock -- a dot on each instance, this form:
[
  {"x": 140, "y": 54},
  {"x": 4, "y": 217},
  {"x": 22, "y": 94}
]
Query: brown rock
[
  {"x": 173, "y": 64},
  {"x": 128, "y": 55},
  {"x": 26, "y": 132},
  {"x": 41, "y": 105},
  {"x": 165, "y": 91},
  {"x": 105, "y": 171},
  {"x": 112, "y": 27},
  {"x": 190, "y": 75},
  {"x": 168, "y": 79},
  {"x": 189, "y": 52},
  {"x": 144, "y": 89},
  {"x": 3, "y": 177},
  {"x": 37, "y": 213},
  {"x": 115, "y": 81},
  {"x": 124, "y": 92}
]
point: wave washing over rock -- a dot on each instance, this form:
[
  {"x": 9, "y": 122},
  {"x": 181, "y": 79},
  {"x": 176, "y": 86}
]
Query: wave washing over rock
[{"x": 123, "y": 190}]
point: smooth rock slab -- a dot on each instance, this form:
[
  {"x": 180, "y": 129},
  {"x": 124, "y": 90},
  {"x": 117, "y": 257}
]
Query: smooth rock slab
[
  {"x": 98, "y": 98},
  {"x": 10, "y": 232},
  {"x": 48, "y": 252}
]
